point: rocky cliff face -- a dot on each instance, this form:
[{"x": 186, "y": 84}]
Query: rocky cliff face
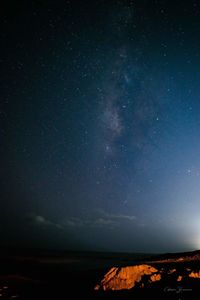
[{"x": 126, "y": 278}]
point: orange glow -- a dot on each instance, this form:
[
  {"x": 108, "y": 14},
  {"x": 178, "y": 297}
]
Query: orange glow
[
  {"x": 155, "y": 277},
  {"x": 194, "y": 274},
  {"x": 126, "y": 278},
  {"x": 179, "y": 278},
  {"x": 142, "y": 276}
]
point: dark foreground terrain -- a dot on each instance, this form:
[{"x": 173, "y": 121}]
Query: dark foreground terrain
[{"x": 66, "y": 275}]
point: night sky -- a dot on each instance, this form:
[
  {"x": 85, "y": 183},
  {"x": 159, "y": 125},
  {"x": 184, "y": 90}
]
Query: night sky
[{"x": 100, "y": 125}]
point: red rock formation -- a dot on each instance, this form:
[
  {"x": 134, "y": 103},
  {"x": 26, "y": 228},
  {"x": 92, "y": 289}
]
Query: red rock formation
[
  {"x": 194, "y": 275},
  {"x": 155, "y": 277},
  {"x": 145, "y": 275},
  {"x": 179, "y": 278},
  {"x": 127, "y": 277}
]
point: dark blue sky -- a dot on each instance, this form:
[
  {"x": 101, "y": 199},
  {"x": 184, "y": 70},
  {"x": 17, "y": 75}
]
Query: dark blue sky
[{"x": 99, "y": 125}]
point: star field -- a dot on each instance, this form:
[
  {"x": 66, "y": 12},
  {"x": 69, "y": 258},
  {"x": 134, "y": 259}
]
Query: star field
[{"x": 99, "y": 125}]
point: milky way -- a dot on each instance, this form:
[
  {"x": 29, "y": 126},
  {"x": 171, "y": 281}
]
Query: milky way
[{"x": 99, "y": 125}]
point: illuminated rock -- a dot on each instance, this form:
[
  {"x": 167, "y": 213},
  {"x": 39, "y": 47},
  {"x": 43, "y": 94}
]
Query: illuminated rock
[
  {"x": 194, "y": 275},
  {"x": 179, "y": 278},
  {"x": 126, "y": 277},
  {"x": 171, "y": 269},
  {"x": 155, "y": 277}
]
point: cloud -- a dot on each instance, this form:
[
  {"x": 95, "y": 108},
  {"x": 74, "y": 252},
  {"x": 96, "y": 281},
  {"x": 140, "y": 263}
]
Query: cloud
[
  {"x": 100, "y": 218},
  {"x": 103, "y": 222},
  {"x": 119, "y": 217},
  {"x": 42, "y": 221},
  {"x": 97, "y": 219},
  {"x": 73, "y": 222}
]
